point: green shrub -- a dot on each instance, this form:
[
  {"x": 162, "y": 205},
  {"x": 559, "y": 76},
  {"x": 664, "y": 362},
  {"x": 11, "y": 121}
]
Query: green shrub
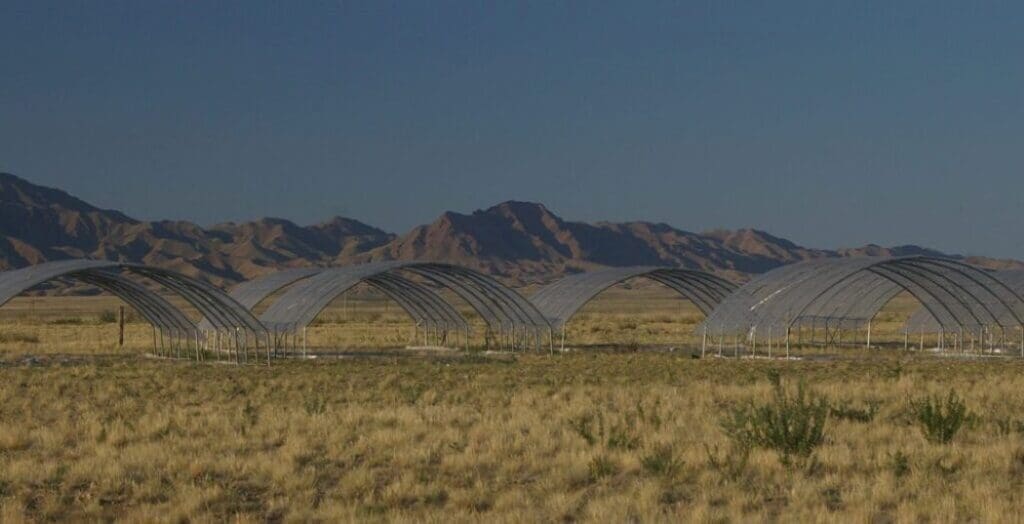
[
  {"x": 67, "y": 321},
  {"x": 617, "y": 431},
  {"x": 107, "y": 317},
  {"x": 940, "y": 420},
  {"x": 793, "y": 426},
  {"x": 847, "y": 411},
  {"x": 661, "y": 461},
  {"x": 602, "y": 466},
  {"x": 7, "y": 338},
  {"x": 315, "y": 405},
  {"x": 899, "y": 463},
  {"x": 731, "y": 463}
]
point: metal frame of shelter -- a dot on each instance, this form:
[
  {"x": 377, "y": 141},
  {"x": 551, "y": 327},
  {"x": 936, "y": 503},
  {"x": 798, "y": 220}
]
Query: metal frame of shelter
[
  {"x": 560, "y": 300},
  {"x": 511, "y": 320},
  {"x": 845, "y": 293},
  {"x": 174, "y": 334},
  {"x": 922, "y": 321}
]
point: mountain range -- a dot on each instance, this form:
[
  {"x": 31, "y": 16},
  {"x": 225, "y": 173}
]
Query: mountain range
[{"x": 520, "y": 242}]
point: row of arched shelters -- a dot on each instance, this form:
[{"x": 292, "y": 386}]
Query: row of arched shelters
[{"x": 827, "y": 296}]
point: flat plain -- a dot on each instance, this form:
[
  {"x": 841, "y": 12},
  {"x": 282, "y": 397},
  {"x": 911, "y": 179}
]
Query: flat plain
[{"x": 628, "y": 425}]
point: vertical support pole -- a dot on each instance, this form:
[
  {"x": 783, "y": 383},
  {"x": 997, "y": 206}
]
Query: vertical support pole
[
  {"x": 704, "y": 342},
  {"x": 120, "y": 326},
  {"x": 906, "y": 340},
  {"x": 867, "y": 345},
  {"x": 788, "y": 328}
]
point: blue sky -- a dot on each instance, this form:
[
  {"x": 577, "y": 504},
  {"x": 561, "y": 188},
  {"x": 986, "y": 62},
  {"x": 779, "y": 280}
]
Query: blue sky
[{"x": 829, "y": 123}]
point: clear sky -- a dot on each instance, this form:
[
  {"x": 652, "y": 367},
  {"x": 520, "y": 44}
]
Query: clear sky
[{"x": 829, "y": 123}]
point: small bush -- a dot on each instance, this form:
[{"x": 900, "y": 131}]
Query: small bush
[
  {"x": 793, "y": 426},
  {"x": 731, "y": 463},
  {"x": 602, "y": 466},
  {"x": 940, "y": 420},
  {"x": 584, "y": 427},
  {"x": 107, "y": 317},
  {"x": 67, "y": 321},
  {"x": 316, "y": 405},
  {"x": 1007, "y": 426},
  {"x": 899, "y": 464},
  {"x": 847, "y": 411},
  {"x": 661, "y": 461},
  {"x": 8, "y": 338},
  {"x": 617, "y": 434}
]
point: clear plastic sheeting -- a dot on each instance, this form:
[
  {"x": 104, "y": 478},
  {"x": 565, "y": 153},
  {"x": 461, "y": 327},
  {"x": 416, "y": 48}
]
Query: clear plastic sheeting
[
  {"x": 559, "y": 301},
  {"x": 174, "y": 334},
  {"x": 923, "y": 320},
  {"x": 848, "y": 292},
  {"x": 507, "y": 313}
]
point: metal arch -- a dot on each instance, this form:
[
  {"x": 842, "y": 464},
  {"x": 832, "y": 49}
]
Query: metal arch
[
  {"x": 789, "y": 302},
  {"x": 405, "y": 300},
  {"x": 499, "y": 305},
  {"x": 739, "y": 311},
  {"x": 937, "y": 306},
  {"x": 866, "y": 307},
  {"x": 435, "y": 309},
  {"x": 886, "y": 263},
  {"x": 304, "y": 300},
  {"x": 973, "y": 274},
  {"x": 838, "y": 290},
  {"x": 207, "y": 298},
  {"x": 923, "y": 320},
  {"x": 251, "y": 292},
  {"x": 1002, "y": 308},
  {"x": 485, "y": 306},
  {"x": 154, "y": 308},
  {"x": 968, "y": 299},
  {"x": 17, "y": 281},
  {"x": 703, "y": 289},
  {"x": 419, "y": 302},
  {"x": 917, "y": 284},
  {"x": 559, "y": 301},
  {"x": 875, "y": 292}
]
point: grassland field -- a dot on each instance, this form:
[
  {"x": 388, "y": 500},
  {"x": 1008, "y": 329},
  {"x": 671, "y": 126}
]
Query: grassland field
[{"x": 627, "y": 426}]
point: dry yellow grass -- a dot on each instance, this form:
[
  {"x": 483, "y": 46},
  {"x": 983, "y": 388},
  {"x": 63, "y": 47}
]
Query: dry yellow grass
[{"x": 88, "y": 431}]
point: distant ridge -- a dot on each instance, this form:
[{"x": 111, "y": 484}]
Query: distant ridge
[{"x": 518, "y": 241}]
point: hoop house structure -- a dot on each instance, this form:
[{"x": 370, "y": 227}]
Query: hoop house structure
[
  {"x": 841, "y": 294},
  {"x": 559, "y": 301},
  {"x": 173, "y": 330},
  {"x": 306, "y": 292},
  {"x": 922, "y": 321}
]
